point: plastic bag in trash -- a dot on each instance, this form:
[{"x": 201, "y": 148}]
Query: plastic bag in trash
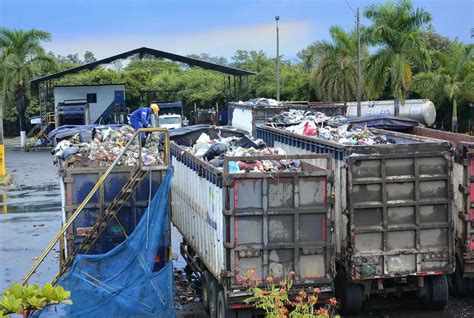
[
  {"x": 215, "y": 151},
  {"x": 68, "y": 152}
]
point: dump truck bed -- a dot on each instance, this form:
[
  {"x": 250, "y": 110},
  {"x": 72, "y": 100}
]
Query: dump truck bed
[{"x": 392, "y": 209}]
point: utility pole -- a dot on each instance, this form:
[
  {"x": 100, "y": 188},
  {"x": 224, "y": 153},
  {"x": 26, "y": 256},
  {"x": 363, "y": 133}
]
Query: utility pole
[
  {"x": 278, "y": 59},
  {"x": 359, "y": 109},
  {"x": 356, "y": 12}
]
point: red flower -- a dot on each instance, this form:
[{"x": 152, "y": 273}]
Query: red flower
[
  {"x": 269, "y": 279},
  {"x": 317, "y": 291},
  {"x": 322, "y": 311},
  {"x": 292, "y": 274},
  {"x": 282, "y": 283},
  {"x": 313, "y": 299},
  {"x": 333, "y": 302}
]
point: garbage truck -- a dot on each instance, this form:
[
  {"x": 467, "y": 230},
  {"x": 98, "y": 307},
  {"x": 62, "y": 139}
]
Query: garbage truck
[
  {"x": 462, "y": 281},
  {"x": 79, "y": 174},
  {"x": 233, "y": 222},
  {"x": 170, "y": 115},
  {"x": 392, "y": 212}
]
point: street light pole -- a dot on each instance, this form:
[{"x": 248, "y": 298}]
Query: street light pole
[
  {"x": 359, "y": 110},
  {"x": 278, "y": 59}
]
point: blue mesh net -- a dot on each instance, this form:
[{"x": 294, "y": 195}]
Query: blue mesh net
[{"x": 135, "y": 279}]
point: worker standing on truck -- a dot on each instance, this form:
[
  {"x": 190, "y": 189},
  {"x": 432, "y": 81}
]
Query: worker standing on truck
[{"x": 141, "y": 118}]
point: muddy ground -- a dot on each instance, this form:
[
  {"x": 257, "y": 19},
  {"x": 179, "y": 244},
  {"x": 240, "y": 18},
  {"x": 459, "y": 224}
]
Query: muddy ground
[{"x": 34, "y": 217}]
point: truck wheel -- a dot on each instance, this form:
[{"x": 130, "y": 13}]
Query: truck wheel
[
  {"x": 460, "y": 284},
  {"x": 438, "y": 291},
  {"x": 205, "y": 279},
  {"x": 222, "y": 311},
  {"x": 351, "y": 297},
  {"x": 212, "y": 298}
]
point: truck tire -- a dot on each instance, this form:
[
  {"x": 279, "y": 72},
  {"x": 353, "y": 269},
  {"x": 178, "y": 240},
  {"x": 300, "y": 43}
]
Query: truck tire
[
  {"x": 438, "y": 291},
  {"x": 460, "y": 284},
  {"x": 351, "y": 297},
  {"x": 212, "y": 298},
  {"x": 205, "y": 279},
  {"x": 222, "y": 311}
]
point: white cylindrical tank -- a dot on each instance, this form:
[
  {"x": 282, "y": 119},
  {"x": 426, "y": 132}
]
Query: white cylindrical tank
[{"x": 422, "y": 110}]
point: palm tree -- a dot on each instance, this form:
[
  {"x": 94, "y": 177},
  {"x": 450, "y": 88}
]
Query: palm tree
[
  {"x": 397, "y": 32},
  {"x": 453, "y": 80},
  {"x": 336, "y": 73},
  {"x": 21, "y": 59}
]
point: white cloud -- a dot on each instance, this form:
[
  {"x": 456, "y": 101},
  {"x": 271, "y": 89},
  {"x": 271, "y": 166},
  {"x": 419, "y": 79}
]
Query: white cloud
[{"x": 219, "y": 42}]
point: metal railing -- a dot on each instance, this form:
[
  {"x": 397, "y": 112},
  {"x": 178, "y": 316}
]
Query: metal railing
[
  {"x": 40, "y": 129},
  {"x": 95, "y": 188}
]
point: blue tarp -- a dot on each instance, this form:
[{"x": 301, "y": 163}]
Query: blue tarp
[
  {"x": 121, "y": 283},
  {"x": 383, "y": 122},
  {"x": 67, "y": 131}
]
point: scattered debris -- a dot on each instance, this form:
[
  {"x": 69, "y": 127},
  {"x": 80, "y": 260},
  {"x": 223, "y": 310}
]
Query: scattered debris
[
  {"x": 296, "y": 116},
  {"x": 214, "y": 151},
  {"x": 327, "y": 128},
  {"x": 102, "y": 145},
  {"x": 187, "y": 288},
  {"x": 260, "y": 101}
]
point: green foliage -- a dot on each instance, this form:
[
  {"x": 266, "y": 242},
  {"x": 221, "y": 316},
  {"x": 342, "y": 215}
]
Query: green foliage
[
  {"x": 21, "y": 59},
  {"x": 410, "y": 59},
  {"x": 336, "y": 73},
  {"x": 23, "y": 299},
  {"x": 397, "y": 30},
  {"x": 275, "y": 301},
  {"x": 452, "y": 80}
]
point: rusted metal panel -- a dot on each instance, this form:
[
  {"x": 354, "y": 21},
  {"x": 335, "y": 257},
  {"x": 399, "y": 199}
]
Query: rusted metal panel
[
  {"x": 463, "y": 191},
  {"x": 270, "y": 223},
  {"x": 392, "y": 202},
  {"x": 76, "y": 183},
  {"x": 400, "y": 215}
]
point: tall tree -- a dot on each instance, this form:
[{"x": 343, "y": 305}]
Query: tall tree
[
  {"x": 397, "y": 31},
  {"x": 89, "y": 57},
  {"x": 336, "y": 72},
  {"x": 21, "y": 59},
  {"x": 453, "y": 80}
]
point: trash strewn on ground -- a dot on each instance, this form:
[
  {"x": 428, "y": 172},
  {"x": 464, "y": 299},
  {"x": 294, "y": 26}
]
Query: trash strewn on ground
[
  {"x": 214, "y": 150},
  {"x": 187, "y": 288},
  {"x": 102, "y": 145}
]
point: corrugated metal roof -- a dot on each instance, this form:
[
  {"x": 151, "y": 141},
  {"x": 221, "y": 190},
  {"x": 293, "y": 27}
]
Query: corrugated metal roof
[{"x": 151, "y": 52}]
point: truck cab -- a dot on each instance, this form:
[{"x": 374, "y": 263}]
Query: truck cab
[{"x": 170, "y": 121}]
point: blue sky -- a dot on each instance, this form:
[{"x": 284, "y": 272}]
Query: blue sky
[{"x": 107, "y": 27}]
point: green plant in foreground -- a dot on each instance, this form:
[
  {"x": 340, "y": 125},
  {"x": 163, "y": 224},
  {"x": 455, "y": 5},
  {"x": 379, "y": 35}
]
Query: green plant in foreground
[
  {"x": 275, "y": 301},
  {"x": 24, "y": 299}
]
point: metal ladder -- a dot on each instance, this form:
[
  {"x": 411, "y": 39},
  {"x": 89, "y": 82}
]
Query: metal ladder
[
  {"x": 111, "y": 211},
  {"x": 37, "y": 131},
  {"x": 104, "y": 220}
]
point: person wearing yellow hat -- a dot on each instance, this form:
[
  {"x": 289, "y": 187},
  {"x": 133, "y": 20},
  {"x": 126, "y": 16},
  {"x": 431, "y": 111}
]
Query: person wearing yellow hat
[{"x": 140, "y": 118}]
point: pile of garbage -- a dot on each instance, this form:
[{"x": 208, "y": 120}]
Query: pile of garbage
[
  {"x": 213, "y": 151},
  {"x": 343, "y": 134},
  {"x": 100, "y": 146},
  {"x": 260, "y": 101},
  {"x": 296, "y": 116}
]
